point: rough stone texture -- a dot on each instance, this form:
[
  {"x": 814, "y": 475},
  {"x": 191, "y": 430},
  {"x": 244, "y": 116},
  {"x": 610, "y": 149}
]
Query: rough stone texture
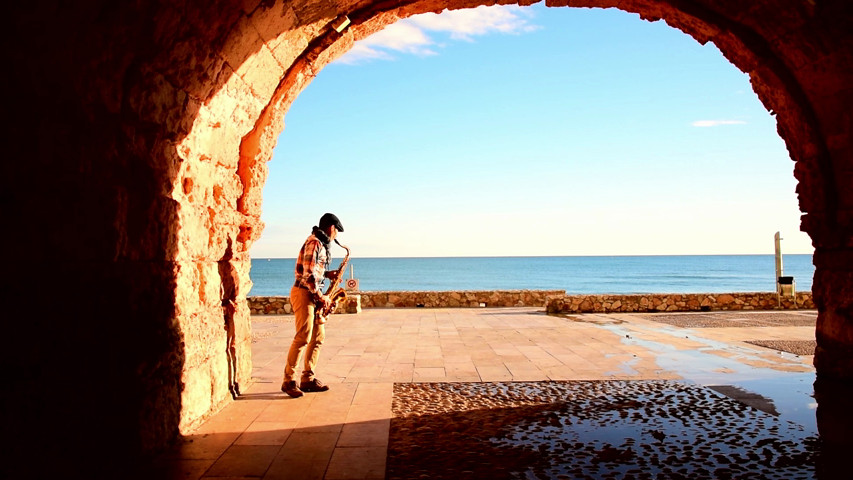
[
  {"x": 833, "y": 290},
  {"x": 138, "y": 137},
  {"x": 282, "y": 306},
  {"x": 495, "y": 298},
  {"x": 353, "y": 304},
  {"x": 677, "y": 302},
  {"x": 555, "y": 301}
]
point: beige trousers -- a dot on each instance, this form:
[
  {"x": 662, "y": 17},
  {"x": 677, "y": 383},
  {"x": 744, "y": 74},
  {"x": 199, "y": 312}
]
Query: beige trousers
[{"x": 308, "y": 333}]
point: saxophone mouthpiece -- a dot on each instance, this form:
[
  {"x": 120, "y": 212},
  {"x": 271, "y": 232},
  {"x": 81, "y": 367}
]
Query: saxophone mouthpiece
[{"x": 342, "y": 246}]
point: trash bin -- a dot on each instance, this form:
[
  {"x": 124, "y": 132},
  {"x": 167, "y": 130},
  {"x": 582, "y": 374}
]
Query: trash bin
[{"x": 786, "y": 286}]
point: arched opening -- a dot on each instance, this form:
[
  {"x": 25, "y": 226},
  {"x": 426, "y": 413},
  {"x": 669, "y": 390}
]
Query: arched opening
[
  {"x": 271, "y": 58},
  {"x": 149, "y": 127},
  {"x": 273, "y": 72},
  {"x": 463, "y": 138}
]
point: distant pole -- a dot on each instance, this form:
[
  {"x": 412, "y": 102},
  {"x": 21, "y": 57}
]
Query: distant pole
[{"x": 778, "y": 239}]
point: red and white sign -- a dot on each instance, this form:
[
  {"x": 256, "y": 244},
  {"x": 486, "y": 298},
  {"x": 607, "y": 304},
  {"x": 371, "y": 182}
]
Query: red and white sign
[{"x": 351, "y": 284}]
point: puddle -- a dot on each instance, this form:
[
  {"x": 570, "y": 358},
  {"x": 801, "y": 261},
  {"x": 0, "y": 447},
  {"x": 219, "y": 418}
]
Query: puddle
[
  {"x": 625, "y": 368},
  {"x": 589, "y": 318},
  {"x": 731, "y": 417},
  {"x": 590, "y": 430},
  {"x": 789, "y": 395},
  {"x": 702, "y": 365},
  {"x": 792, "y": 397}
]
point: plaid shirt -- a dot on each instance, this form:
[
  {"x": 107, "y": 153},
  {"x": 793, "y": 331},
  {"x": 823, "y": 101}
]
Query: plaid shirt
[{"x": 311, "y": 265}]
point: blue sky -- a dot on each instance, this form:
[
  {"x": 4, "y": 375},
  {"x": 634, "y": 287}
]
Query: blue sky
[{"x": 532, "y": 131}]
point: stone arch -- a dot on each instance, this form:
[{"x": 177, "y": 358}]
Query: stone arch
[
  {"x": 283, "y": 46},
  {"x": 749, "y": 47},
  {"x": 149, "y": 124}
]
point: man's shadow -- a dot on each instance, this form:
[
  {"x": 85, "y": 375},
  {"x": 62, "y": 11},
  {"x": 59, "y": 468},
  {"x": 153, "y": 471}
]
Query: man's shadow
[{"x": 228, "y": 292}]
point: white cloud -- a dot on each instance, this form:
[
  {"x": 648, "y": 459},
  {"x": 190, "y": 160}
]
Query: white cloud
[
  {"x": 463, "y": 24},
  {"x": 363, "y": 52},
  {"x": 716, "y": 123},
  {"x": 409, "y": 36}
]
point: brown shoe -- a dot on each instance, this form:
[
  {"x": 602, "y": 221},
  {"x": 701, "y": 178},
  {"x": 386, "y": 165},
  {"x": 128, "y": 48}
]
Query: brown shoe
[
  {"x": 313, "y": 385},
  {"x": 291, "y": 389}
]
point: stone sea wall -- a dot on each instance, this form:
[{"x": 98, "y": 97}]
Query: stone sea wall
[
  {"x": 678, "y": 302},
  {"x": 556, "y": 301},
  {"x": 487, "y": 298}
]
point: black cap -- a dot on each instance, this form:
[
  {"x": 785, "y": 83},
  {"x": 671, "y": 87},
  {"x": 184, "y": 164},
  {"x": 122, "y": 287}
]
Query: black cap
[{"x": 330, "y": 219}]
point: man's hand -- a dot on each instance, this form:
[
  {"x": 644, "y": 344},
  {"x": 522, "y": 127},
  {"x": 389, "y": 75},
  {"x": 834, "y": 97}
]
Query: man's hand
[{"x": 326, "y": 301}]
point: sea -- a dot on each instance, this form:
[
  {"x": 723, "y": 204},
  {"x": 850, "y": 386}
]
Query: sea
[{"x": 575, "y": 275}]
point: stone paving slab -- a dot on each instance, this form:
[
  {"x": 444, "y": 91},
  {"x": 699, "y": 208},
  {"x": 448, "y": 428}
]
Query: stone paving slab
[{"x": 344, "y": 433}]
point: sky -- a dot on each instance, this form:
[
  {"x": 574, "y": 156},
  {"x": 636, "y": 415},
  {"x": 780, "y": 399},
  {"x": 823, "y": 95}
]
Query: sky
[{"x": 532, "y": 131}]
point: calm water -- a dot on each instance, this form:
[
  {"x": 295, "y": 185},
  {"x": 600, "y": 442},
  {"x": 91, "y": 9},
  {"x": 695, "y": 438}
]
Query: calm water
[{"x": 624, "y": 274}]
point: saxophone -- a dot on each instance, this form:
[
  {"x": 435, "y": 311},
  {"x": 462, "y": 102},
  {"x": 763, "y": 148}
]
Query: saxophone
[{"x": 334, "y": 292}]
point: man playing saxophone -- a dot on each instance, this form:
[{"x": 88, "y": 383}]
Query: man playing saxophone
[{"x": 306, "y": 297}]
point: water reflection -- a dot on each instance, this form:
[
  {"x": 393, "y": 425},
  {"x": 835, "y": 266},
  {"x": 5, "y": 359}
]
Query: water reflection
[{"x": 597, "y": 429}]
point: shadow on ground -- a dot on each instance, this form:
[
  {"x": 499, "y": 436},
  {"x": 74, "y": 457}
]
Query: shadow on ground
[{"x": 593, "y": 430}]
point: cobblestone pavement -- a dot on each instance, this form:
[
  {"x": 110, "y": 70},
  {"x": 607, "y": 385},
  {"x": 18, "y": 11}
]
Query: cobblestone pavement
[
  {"x": 581, "y": 396},
  {"x": 794, "y": 318},
  {"x": 590, "y": 430}
]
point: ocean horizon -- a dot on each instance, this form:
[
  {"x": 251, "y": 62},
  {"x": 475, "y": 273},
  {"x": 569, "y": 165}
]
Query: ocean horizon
[{"x": 617, "y": 274}]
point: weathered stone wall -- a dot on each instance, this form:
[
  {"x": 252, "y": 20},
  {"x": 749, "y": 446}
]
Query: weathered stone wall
[
  {"x": 685, "y": 302},
  {"x": 556, "y": 301},
  {"x": 493, "y": 298},
  {"x": 138, "y": 136},
  {"x": 497, "y": 298}
]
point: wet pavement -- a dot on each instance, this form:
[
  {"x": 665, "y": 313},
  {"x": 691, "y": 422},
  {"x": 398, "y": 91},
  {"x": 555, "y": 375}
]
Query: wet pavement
[
  {"x": 590, "y": 430},
  {"x": 514, "y": 393}
]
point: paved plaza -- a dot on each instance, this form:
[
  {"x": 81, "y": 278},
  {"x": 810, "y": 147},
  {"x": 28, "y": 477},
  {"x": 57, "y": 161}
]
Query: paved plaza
[{"x": 755, "y": 359}]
